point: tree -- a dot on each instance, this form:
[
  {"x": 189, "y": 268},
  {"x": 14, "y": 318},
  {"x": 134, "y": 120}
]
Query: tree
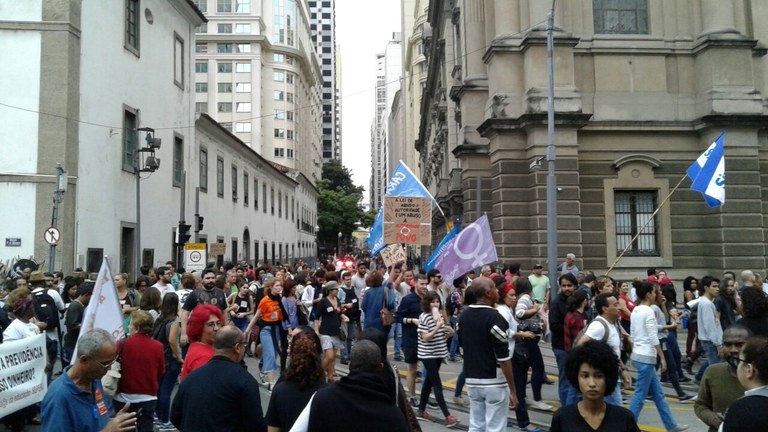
[{"x": 338, "y": 207}]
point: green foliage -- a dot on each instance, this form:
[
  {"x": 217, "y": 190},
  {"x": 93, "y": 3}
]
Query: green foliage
[
  {"x": 338, "y": 207},
  {"x": 339, "y": 176}
]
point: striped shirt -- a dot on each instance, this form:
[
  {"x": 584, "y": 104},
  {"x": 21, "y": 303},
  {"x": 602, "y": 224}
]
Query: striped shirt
[{"x": 437, "y": 347}]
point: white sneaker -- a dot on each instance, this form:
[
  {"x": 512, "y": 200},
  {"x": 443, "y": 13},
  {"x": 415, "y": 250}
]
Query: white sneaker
[
  {"x": 539, "y": 405},
  {"x": 458, "y": 400}
]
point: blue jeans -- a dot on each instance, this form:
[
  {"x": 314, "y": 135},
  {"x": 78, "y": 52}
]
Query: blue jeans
[
  {"x": 648, "y": 383},
  {"x": 167, "y": 382},
  {"x": 269, "y": 348},
  {"x": 520, "y": 373},
  {"x": 346, "y": 347},
  {"x": 488, "y": 409},
  {"x": 564, "y": 388},
  {"x": 712, "y": 357},
  {"x": 396, "y": 331},
  {"x": 453, "y": 348}
]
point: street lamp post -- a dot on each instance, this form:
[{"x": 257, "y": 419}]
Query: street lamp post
[
  {"x": 338, "y": 254},
  {"x": 551, "y": 155},
  {"x": 150, "y": 165},
  {"x": 58, "y": 194}
]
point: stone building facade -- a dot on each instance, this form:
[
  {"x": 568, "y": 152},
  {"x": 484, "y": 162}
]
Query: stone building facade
[{"x": 641, "y": 89}]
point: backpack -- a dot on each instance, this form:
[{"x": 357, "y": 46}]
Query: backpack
[
  {"x": 160, "y": 333},
  {"x": 45, "y": 309},
  {"x": 584, "y": 330},
  {"x": 450, "y": 305}
]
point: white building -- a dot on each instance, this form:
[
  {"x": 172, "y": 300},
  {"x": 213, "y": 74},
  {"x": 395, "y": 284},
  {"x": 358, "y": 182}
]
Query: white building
[
  {"x": 388, "y": 74},
  {"x": 256, "y": 73}
]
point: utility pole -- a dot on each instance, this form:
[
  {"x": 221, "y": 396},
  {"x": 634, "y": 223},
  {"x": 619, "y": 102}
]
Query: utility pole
[
  {"x": 551, "y": 154},
  {"x": 58, "y": 194},
  {"x": 151, "y": 165}
]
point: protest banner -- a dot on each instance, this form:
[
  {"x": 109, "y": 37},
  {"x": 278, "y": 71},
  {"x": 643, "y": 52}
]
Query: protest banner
[
  {"x": 104, "y": 311},
  {"x": 407, "y": 220},
  {"x": 216, "y": 249},
  {"x": 471, "y": 248},
  {"x": 22, "y": 373},
  {"x": 393, "y": 254}
]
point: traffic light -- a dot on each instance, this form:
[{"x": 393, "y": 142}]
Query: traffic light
[
  {"x": 199, "y": 223},
  {"x": 184, "y": 233}
]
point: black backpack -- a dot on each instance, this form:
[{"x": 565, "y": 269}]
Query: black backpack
[{"x": 45, "y": 309}]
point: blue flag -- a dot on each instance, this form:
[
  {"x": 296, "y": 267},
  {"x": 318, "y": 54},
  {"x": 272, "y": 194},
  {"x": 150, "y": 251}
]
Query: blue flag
[
  {"x": 402, "y": 183},
  {"x": 439, "y": 249},
  {"x": 708, "y": 173}
]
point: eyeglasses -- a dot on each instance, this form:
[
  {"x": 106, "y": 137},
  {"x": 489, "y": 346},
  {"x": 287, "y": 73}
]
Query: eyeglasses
[
  {"x": 106, "y": 365},
  {"x": 735, "y": 360},
  {"x": 213, "y": 324}
]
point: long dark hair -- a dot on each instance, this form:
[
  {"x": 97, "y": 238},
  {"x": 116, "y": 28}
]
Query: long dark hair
[{"x": 170, "y": 307}]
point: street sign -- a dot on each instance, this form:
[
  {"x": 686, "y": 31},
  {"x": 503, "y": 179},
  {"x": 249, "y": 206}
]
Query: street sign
[
  {"x": 52, "y": 236},
  {"x": 195, "y": 257},
  {"x": 12, "y": 241},
  {"x": 216, "y": 249},
  {"x": 407, "y": 220}
]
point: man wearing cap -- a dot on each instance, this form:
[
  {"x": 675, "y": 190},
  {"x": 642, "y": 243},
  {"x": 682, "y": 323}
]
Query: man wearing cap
[
  {"x": 541, "y": 286},
  {"x": 328, "y": 322}
]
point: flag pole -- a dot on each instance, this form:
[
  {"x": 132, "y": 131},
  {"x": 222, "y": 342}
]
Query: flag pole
[{"x": 640, "y": 231}]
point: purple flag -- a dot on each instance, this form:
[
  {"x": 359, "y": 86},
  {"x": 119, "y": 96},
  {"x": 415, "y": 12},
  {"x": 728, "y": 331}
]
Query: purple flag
[{"x": 473, "y": 247}]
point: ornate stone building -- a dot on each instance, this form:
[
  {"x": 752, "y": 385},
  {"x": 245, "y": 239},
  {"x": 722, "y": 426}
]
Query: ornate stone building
[{"x": 642, "y": 88}]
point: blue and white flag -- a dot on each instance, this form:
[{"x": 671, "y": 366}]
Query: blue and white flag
[
  {"x": 402, "y": 183},
  {"x": 439, "y": 249},
  {"x": 708, "y": 173}
]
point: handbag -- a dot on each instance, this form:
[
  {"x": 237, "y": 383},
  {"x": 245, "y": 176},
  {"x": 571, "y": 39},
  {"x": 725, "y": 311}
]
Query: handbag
[
  {"x": 387, "y": 317},
  {"x": 111, "y": 379},
  {"x": 531, "y": 324}
]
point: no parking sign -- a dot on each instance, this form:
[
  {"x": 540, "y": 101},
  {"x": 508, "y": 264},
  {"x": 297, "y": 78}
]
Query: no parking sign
[{"x": 195, "y": 256}]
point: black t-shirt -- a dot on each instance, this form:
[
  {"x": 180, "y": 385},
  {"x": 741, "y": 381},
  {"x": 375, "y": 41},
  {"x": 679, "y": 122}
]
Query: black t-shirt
[
  {"x": 287, "y": 402},
  {"x": 198, "y": 296},
  {"x": 72, "y": 319},
  {"x": 329, "y": 318},
  {"x": 350, "y": 297},
  {"x": 617, "y": 419}
]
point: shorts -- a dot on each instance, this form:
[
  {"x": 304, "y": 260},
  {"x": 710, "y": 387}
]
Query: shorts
[
  {"x": 410, "y": 355},
  {"x": 330, "y": 342}
]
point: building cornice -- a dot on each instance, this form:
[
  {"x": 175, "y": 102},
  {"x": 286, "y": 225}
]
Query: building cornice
[{"x": 527, "y": 121}]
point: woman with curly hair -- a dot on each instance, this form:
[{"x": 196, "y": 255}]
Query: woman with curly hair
[
  {"x": 754, "y": 309},
  {"x": 301, "y": 379},
  {"x": 590, "y": 368},
  {"x": 204, "y": 321}
]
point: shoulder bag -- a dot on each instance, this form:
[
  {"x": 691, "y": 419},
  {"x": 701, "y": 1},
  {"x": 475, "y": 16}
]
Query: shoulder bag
[
  {"x": 111, "y": 380},
  {"x": 387, "y": 317}
]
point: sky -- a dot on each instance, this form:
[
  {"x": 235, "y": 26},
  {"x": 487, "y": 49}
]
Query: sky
[{"x": 363, "y": 28}]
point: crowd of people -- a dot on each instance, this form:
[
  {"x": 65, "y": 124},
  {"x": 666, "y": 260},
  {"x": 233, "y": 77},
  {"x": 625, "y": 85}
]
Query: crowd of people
[{"x": 192, "y": 330}]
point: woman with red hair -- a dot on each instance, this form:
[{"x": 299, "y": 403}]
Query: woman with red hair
[{"x": 204, "y": 321}]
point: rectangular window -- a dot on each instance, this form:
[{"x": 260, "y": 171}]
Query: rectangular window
[
  {"x": 278, "y": 95},
  {"x": 289, "y": 134},
  {"x": 293, "y": 210},
  {"x": 224, "y": 48},
  {"x": 290, "y": 115},
  {"x": 243, "y": 107},
  {"x": 242, "y": 127},
  {"x": 246, "y": 186},
  {"x": 243, "y": 87},
  {"x": 201, "y": 87},
  {"x": 234, "y": 183},
  {"x": 272, "y": 199},
  {"x": 178, "y": 161},
  {"x": 243, "y": 28},
  {"x": 633, "y": 210},
  {"x": 279, "y": 76},
  {"x": 243, "y": 6},
  {"x": 219, "y": 177},
  {"x": 279, "y": 204},
  {"x": 244, "y": 48},
  {"x": 202, "y": 5},
  {"x": 279, "y": 133},
  {"x": 225, "y": 107},
  {"x": 289, "y": 78},
  {"x": 224, "y": 87},
  {"x": 278, "y": 58},
  {"x": 178, "y": 61},
  {"x": 203, "y": 170},
  {"x": 130, "y": 139},
  {"x": 256, "y": 198},
  {"x": 289, "y": 153},
  {"x": 279, "y": 114},
  {"x": 224, "y": 6},
  {"x": 201, "y": 107},
  {"x": 132, "y": 21},
  {"x": 225, "y": 68},
  {"x": 289, "y": 97},
  {"x": 202, "y": 28},
  {"x": 201, "y": 48},
  {"x": 201, "y": 67},
  {"x": 225, "y": 28},
  {"x": 243, "y": 67},
  {"x": 279, "y": 152},
  {"x": 264, "y": 199},
  {"x": 620, "y": 16}
]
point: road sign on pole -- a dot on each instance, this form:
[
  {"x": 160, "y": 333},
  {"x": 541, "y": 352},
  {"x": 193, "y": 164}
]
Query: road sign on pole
[
  {"x": 195, "y": 256},
  {"x": 52, "y": 236}
]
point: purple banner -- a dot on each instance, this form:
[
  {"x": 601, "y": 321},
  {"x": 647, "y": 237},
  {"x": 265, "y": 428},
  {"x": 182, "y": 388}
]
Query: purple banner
[{"x": 472, "y": 248}]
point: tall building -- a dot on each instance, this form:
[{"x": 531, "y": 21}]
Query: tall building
[
  {"x": 415, "y": 33},
  {"x": 257, "y": 73},
  {"x": 323, "y": 30},
  {"x": 641, "y": 89}
]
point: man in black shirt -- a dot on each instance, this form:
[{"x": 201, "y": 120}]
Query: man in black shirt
[
  {"x": 220, "y": 395},
  {"x": 487, "y": 360},
  {"x": 208, "y": 294}
]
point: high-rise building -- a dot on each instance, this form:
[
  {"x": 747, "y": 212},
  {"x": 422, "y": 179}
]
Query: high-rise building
[
  {"x": 323, "y": 31},
  {"x": 257, "y": 74}
]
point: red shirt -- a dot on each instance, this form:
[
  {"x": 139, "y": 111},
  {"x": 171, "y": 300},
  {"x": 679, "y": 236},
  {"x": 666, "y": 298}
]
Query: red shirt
[
  {"x": 198, "y": 355},
  {"x": 573, "y": 324},
  {"x": 142, "y": 365},
  {"x": 630, "y": 306}
]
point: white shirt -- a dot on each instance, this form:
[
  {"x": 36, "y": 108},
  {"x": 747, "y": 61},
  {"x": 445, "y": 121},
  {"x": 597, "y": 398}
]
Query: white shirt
[
  {"x": 164, "y": 288},
  {"x": 508, "y": 315},
  {"x": 18, "y": 330},
  {"x": 645, "y": 333},
  {"x": 596, "y": 331}
]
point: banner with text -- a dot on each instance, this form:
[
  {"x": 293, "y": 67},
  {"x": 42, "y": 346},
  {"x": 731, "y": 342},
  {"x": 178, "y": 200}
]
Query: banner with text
[
  {"x": 407, "y": 220},
  {"x": 104, "y": 311},
  {"x": 22, "y": 373},
  {"x": 471, "y": 248},
  {"x": 393, "y": 254}
]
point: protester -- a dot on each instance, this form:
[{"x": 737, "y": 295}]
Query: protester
[
  {"x": 302, "y": 378},
  {"x": 664, "y": 329},
  {"x": 269, "y": 318},
  {"x": 527, "y": 313},
  {"x": 350, "y": 308},
  {"x": 710, "y": 333},
  {"x": 75, "y": 401},
  {"x": 151, "y": 301},
  {"x": 204, "y": 323},
  {"x": 141, "y": 285},
  {"x": 129, "y": 298},
  {"x": 166, "y": 331},
  {"x": 754, "y": 310},
  {"x": 142, "y": 364},
  {"x": 590, "y": 369},
  {"x": 626, "y": 306},
  {"x": 209, "y": 293},
  {"x": 377, "y": 297},
  {"x": 74, "y": 318},
  {"x": 221, "y": 395},
  {"x": 408, "y": 314},
  {"x": 747, "y": 413},
  {"x": 328, "y": 322},
  {"x": 242, "y": 307},
  {"x": 454, "y": 306},
  {"x": 487, "y": 360},
  {"x": 720, "y": 386}
]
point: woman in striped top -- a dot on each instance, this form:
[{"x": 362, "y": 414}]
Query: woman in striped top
[{"x": 432, "y": 349}]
